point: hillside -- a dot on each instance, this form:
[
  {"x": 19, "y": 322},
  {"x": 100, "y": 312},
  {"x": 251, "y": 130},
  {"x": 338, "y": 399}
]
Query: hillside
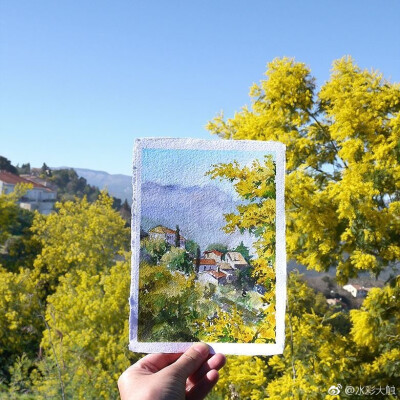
[{"x": 118, "y": 185}]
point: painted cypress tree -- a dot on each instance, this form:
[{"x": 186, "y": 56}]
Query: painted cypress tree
[
  {"x": 198, "y": 259},
  {"x": 177, "y": 237}
]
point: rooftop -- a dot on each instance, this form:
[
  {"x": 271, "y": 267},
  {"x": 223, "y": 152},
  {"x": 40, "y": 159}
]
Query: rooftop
[
  {"x": 216, "y": 274},
  {"x": 206, "y": 261},
  {"x": 12, "y": 179},
  {"x": 218, "y": 253},
  {"x": 161, "y": 229},
  {"x": 236, "y": 256}
]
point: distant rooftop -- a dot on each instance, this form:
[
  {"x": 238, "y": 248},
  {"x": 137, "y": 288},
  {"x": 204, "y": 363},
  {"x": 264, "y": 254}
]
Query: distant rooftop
[
  {"x": 12, "y": 179},
  {"x": 218, "y": 253}
]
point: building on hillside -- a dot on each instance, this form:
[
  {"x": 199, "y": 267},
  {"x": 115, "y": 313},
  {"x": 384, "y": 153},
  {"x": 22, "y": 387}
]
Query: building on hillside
[
  {"x": 213, "y": 254},
  {"x": 226, "y": 268},
  {"x": 39, "y": 197},
  {"x": 169, "y": 235},
  {"x": 206, "y": 264},
  {"x": 236, "y": 260},
  {"x": 40, "y": 181},
  {"x": 334, "y": 302},
  {"x": 214, "y": 277},
  {"x": 356, "y": 290}
]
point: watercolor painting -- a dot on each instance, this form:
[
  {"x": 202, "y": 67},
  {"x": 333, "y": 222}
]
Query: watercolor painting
[{"x": 205, "y": 244}]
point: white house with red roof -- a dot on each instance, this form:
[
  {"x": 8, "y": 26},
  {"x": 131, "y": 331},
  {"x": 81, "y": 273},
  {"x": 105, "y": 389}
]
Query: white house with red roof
[
  {"x": 206, "y": 264},
  {"x": 214, "y": 277},
  {"x": 39, "y": 197},
  {"x": 356, "y": 290},
  {"x": 213, "y": 255}
]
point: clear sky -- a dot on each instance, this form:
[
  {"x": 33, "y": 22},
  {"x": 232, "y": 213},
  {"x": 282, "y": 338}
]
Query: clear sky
[{"x": 81, "y": 79}]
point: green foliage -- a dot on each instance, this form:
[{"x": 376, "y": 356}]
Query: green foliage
[
  {"x": 244, "y": 251},
  {"x": 69, "y": 185},
  {"x": 168, "y": 313},
  {"x": 24, "y": 169},
  {"x": 5, "y": 164},
  {"x": 155, "y": 248},
  {"x": 218, "y": 246},
  {"x": 177, "y": 237},
  {"x": 178, "y": 259},
  {"x": 191, "y": 246}
]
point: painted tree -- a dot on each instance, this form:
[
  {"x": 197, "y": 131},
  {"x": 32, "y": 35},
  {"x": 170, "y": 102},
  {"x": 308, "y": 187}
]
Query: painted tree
[
  {"x": 177, "y": 237},
  {"x": 169, "y": 304},
  {"x": 155, "y": 248},
  {"x": 178, "y": 259}
]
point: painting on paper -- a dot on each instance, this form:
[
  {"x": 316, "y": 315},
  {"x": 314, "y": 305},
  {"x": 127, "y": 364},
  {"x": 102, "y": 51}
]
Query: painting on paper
[{"x": 208, "y": 246}]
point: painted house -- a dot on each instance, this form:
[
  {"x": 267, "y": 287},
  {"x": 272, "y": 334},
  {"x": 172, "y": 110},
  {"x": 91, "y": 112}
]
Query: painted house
[
  {"x": 214, "y": 255},
  {"x": 214, "y": 277},
  {"x": 206, "y": 264},
  {"x": 236, "y": 260},
  {"x": 164, "y": 233},
  {"x": 39, "y": 197},
  {"x": 226, "y": 268},
  {"x": 356, "y": 290}
]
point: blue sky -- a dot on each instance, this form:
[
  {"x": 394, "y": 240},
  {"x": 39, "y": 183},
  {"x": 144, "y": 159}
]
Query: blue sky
[{"x": 80, "y": 80}]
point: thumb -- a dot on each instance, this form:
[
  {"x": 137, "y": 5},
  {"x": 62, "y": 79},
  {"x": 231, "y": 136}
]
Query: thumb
[{"x": 191, "y": 360}]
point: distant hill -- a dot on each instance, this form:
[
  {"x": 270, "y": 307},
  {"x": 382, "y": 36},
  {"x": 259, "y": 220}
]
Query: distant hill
[
  {"x": 198, "y": 210},
  {"x": 118, "y": 185}
]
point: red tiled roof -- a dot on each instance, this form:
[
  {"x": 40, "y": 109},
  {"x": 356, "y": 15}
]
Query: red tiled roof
[
  {"x": 207, "y": 261},
  {"x": 218, "y": 253},
  {"x": 216, "y": 274},
  {"x": 13, "y": 179}
]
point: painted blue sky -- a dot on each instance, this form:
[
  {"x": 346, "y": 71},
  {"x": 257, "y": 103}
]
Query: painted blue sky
[
  {"x": 188, "y": 167},
  {"x": 80, "y": 80}
]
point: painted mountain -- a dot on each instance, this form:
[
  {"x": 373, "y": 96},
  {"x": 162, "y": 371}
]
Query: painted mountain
[{"x": 198, "y": 210}]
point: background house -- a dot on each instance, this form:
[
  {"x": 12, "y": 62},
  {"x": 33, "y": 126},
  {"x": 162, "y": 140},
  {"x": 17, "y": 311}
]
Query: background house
[
  {"x": 39, "y": 197},
  {"x": 236, "y": 260},
  {"x": 206, "y": 264},
  {"x": 167, "y": 234},
  {"x": 214, "y": 277},
  {"x": 213, "y": 254},
  {"x": 356, "y": 290}
]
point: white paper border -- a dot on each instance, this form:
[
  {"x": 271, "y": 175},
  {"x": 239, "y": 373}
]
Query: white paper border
[{"x": 280, "y": 265}]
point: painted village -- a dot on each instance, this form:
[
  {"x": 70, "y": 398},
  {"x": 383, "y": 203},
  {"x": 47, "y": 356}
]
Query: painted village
[
  {"x": 223, "y": 275},
  {"x": 214, "y": 266}
]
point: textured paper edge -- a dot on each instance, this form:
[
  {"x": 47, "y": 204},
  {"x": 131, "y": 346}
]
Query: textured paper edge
[{"x": 280, "y": 265}]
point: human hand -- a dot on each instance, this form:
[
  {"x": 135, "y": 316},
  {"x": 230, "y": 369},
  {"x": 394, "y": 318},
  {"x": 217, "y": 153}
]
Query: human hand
[{"x": 190, "y": 375}]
